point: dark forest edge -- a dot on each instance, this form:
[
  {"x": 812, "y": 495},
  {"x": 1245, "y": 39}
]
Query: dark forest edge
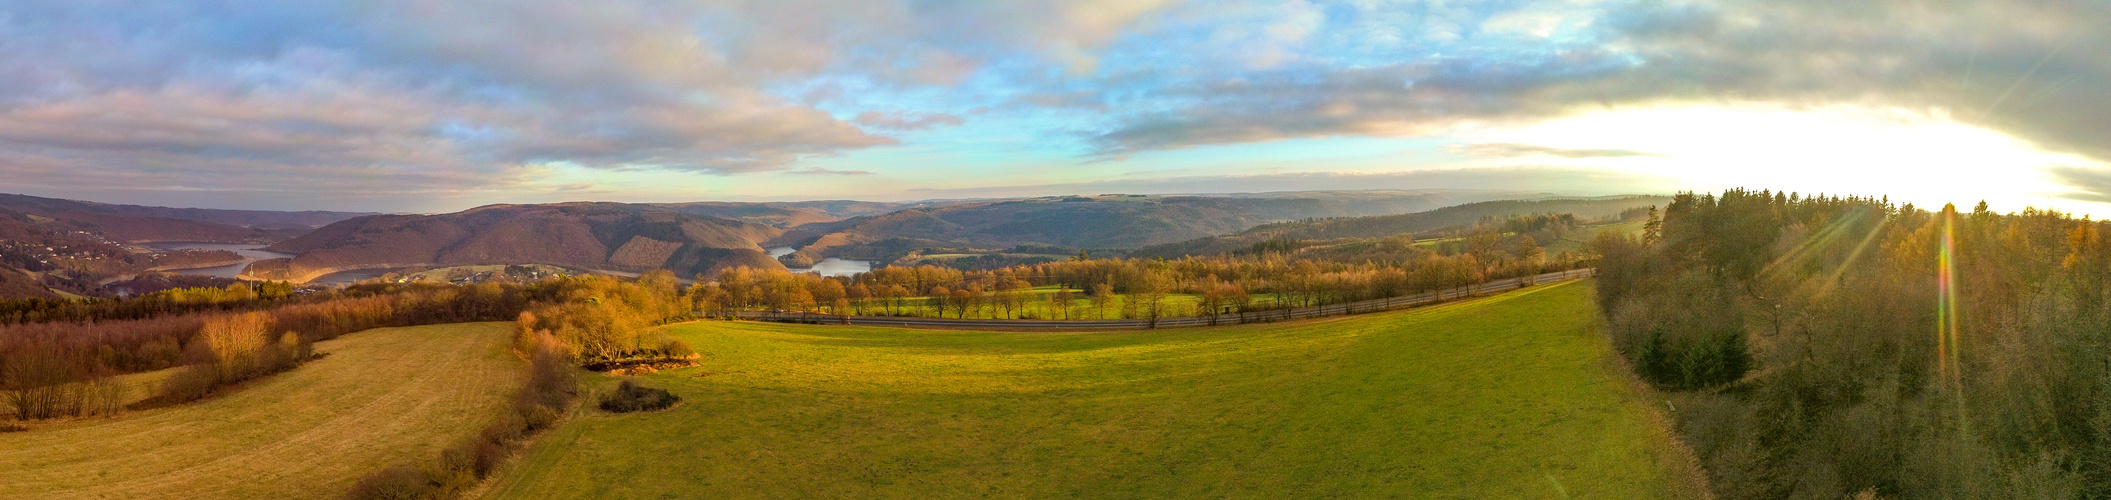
[{"x": 1834, "y": 347}]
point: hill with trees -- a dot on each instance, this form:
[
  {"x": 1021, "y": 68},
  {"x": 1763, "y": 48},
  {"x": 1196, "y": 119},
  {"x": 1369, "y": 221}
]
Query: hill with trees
[
  {"x": 1118, "y": 221},
  {"x": 607, "y": 236},
  {"x": 40, "y": 254},
  {"x": 1421, "y": 224},
  {"x": 785, "y": 215},
  {"x": 1829, "y": 347},
  {"x": 134, "y": 223}
]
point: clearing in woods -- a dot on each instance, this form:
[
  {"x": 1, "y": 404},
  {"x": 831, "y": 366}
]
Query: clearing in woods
[
  {"x": 1512, "y": 396},
  {"x": 383, "y": 397}
]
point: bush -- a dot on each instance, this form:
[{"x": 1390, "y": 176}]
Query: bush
[
  {"x": 489, "y": 454},
  {"x": 676, "y": 349},
  {"x": 630, "y": 397},
  {"x": 190, "y": 384},
  {"x": 401, "y": 482}
]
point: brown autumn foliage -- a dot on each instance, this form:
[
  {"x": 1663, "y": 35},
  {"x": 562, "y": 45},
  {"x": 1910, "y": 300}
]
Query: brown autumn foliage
[
  {"x": 612, "y": 236},
  {"x": 222, "y": 347}
]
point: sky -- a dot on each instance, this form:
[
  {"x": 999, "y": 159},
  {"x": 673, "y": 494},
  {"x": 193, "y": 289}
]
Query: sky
[{"x": 425, "y": 106}]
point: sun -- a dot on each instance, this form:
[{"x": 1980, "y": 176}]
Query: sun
[{"x": 1927, "y": 157}]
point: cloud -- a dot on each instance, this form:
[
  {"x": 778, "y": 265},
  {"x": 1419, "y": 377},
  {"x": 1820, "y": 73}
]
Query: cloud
[
  {"x": 902, "y": 121},
  {"x": 1509, "y": 150},
  {"x": 1509, "y": 179},
  {"x": 823, "y": 171},
  {"x": 2032, "y": 69},
  {"x": 2083, "y": 183},
  {"x": 464, "y": 95}
]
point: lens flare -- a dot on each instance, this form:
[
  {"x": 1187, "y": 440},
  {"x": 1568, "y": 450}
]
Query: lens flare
[{"x": 1946, "y": 339}]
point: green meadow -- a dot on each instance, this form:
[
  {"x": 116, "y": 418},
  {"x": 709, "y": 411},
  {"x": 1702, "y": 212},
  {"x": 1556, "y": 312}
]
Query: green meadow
[{"x": 1511, "y": 396}]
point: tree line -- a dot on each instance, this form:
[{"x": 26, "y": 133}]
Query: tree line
[
  {"x": 1829, "y": 347},
  {"x": 54, "y": 369},
  {"x": 1283, "y": 276},
  {"x": 223, "y": 336}
]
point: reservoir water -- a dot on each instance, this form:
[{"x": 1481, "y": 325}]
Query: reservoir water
[
  {"x": 342, "y": 278},
  {"x": 250, "y": 253},
  {"x": 827, "y": 267}
]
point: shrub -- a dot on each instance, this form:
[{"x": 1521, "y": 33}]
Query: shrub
[
  {"x": 630, "y": 397},
  {"x": 488, "y": 456},
  {"x": 676, "y": 349},
  {"x": 37, "y": 383},
  {"x": 401, "y": 482},
  {"x": 189, "y": 384},
  {"x": 237, "y": 343}
]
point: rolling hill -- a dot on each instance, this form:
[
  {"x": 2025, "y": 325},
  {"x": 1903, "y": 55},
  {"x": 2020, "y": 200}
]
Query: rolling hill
[
  {"x": 134, "y": 223},
  {"x": 1513, "y": 396},
  {"x": 1103, "y": 221},
  {"x": 606, "y": 236},
  {"x": 1387, "y": 225},
  {"x": 784, "y": 215}
]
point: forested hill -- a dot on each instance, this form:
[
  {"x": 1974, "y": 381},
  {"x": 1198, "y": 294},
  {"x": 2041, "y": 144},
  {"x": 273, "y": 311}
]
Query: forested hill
[
  {"x": 1102, "y": 221},
  {"x": 612, "y": 236},
  {"x": 784, "y": 215},
  {"x": 144, "y": 223},
  {"x": 1388, "y": 225},
  {"x": 1825, "y": 347}
]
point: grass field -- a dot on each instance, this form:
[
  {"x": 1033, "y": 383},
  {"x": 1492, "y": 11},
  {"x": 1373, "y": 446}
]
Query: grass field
[
  {"x": 1511, "y": 396},
  {"x": 383, "y": 397}
]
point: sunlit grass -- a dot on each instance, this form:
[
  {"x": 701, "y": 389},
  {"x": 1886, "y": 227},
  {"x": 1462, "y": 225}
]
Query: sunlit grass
[{"x": 1505, "y": 397}]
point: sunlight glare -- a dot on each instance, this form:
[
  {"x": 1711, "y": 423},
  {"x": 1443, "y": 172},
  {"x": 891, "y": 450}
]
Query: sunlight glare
[{"x": 1928, "y": 158}]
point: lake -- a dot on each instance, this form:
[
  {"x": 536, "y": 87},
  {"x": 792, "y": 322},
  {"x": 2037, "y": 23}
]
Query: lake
[
  {"x": 250, "y": 253},
  {"x": 342, "y": 278},
  {"x": 827, "y": 267}
]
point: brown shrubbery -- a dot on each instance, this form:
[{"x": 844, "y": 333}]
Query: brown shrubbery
[
  {"x": 232, "y": 349},
  {"x": 49, "y": 366},
  {"x": 598, "y": 319},
  {"x": 45, "y": 382},
  {"x": 630, "y": 397}
]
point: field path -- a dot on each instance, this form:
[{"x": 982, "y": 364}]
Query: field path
[{"x": 383, "y": 397}]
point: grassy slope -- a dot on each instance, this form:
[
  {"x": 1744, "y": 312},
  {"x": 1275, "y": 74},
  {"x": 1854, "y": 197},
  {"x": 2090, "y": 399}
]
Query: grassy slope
[
  {"x": 383, "y": 397},
  {"x": 1505, "y": 397}
]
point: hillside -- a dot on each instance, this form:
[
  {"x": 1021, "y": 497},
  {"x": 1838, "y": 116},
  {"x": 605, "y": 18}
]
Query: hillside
[
  {"x": 783, "y": 215},
  {"x": 15, "y": 284},
  {"x": 383, "y": 397},
  {"x": 134, "y": 223},
  {"x": 1513, "y": 396},
  {"x": 1387, "y": 225},
  {"x": 39, "y": 255},
  {"x": 1103, "y": 221},
  {"x": 611, "y": 236}
]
